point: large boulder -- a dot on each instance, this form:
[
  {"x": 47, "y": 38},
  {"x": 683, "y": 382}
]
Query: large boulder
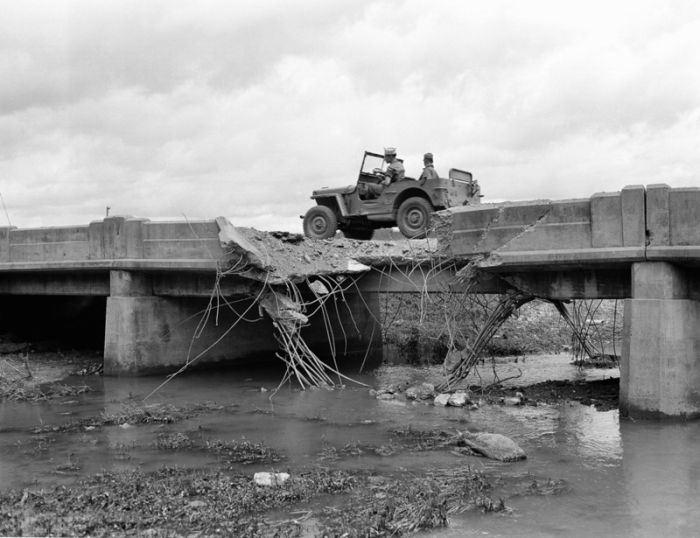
[{"x": 493, "y": 445}]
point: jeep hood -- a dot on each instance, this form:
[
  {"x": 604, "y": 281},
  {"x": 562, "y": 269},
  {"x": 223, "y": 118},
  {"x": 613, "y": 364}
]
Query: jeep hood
[{"x": 320, "y": 193}]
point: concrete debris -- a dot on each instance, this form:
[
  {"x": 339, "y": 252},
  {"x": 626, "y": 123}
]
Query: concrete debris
[
  {"x": 357, "y": 267},
  {"x": 282, "y": 310},
  {"x": 238, "y": 243},
  {"x": 288, "y": 237},
  {"x": 279, "y": 257},
  {"x": 270, "y": 479},
  {"x": 318, "y": 288}
]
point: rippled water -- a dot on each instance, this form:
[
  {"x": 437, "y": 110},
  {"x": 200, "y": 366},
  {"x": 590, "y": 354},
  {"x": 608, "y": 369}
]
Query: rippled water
[{"x": 625, "y": 478}]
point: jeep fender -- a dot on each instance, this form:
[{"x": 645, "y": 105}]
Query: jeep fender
[
  {"x": 410, "y": 193},
  {"x": 336, "y": 202}
]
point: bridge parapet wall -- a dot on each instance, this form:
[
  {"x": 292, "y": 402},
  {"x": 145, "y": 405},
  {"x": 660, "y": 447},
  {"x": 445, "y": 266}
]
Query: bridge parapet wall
[
  {"x": 673, "y": 223},
  {"x": 113, "y": 238},
  {"x": 608, "y": 227}
]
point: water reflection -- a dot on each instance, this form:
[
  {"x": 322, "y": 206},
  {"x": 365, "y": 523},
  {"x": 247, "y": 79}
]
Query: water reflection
[{"x": 661, "y": 465}]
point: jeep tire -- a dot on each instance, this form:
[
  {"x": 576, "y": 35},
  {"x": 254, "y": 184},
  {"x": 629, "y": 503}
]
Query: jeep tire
[
  {"x": 413, "y": 217},
  {"x": 320, "y": 222}
]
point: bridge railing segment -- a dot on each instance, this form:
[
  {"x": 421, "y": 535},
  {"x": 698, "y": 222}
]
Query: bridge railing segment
[
  {"x": 115, "y": 242},
  {"x": 636, "y": 224}
]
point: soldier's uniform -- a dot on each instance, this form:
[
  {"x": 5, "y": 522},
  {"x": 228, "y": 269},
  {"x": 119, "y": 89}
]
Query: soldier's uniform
[
  {"x": 394, "y": 172},
  {"x": 428, "y": 172}
]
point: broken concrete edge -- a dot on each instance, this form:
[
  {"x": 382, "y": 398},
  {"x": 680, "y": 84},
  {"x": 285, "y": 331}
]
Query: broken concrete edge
[
  {"x": 233, "y": 240},
  {"x": 278, "y": 258}
]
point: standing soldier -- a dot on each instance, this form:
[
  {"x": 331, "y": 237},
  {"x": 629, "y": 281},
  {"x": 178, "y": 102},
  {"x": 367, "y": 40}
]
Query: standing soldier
[{"x": 428, "y": 170}]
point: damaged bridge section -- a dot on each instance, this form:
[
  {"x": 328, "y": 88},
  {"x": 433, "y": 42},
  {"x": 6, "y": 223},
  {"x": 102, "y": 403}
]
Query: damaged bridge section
[
  {"x": 641, "y": 244},
  {"x": 173, "y": 295}
]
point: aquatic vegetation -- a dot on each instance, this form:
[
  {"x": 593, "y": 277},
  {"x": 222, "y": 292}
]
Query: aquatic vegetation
[
  {"x": 244, "y": 451},
  {"x": 178, "y": 502},
  {"x": 27, "y": 390},
  {"x": 133, "y": 413},
  {"x": 173, "y": 441},
  {"x": 413, "y": 439},
  {"x": 399, "y": 506},
  {"x": 172, "y": 502},
  {"x": 354, "y": 449}
]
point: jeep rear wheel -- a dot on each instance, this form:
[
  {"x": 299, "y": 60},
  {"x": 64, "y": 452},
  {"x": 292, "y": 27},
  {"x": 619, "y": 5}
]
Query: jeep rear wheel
[
  {"x": 359, "y": 233},
  {"x": 413, "y": 217},
  {"x": 320, "y": 222}
]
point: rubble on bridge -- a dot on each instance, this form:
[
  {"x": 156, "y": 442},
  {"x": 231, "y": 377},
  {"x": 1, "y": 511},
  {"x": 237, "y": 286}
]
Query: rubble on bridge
[{"x": 281, "y": 257}]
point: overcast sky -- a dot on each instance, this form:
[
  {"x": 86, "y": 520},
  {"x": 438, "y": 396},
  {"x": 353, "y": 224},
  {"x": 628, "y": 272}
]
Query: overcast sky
[{"x": 169, "y": 109}]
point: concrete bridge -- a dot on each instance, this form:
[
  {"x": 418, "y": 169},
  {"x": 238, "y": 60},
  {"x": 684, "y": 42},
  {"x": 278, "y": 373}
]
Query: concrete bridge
[
  {"x": 149, "y": 283},
  {"x": 640, "y": 244},
  {"x": 165, "y": 293}
]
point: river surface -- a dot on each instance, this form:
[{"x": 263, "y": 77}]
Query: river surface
[{"x": 624, "y": 478}]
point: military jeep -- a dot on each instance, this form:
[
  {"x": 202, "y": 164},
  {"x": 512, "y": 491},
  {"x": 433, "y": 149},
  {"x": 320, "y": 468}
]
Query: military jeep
[{"x": 407, "y": 203}]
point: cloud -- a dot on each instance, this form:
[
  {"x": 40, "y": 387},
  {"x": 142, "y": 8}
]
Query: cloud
[{"x": 160, "y": 109}]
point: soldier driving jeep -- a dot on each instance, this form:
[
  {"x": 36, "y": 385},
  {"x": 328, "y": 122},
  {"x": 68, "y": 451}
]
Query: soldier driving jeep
[{"x": 394, "y": 172}]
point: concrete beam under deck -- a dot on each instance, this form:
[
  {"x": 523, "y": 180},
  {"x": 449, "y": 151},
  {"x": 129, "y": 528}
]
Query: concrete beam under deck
[
  {"x": 54, "y": 283},
  {"x": 574, "y": 283},
  {"x": 97, "y": 283}
]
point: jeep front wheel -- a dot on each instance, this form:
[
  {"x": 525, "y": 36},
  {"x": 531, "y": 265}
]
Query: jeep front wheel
[
  {"x": 320, "y": 222},
  {"x": 413, "y": 217}
]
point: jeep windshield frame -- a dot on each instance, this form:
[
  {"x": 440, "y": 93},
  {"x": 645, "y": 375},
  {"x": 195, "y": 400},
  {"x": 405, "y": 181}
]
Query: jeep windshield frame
[{"x": 371, "y": 161}]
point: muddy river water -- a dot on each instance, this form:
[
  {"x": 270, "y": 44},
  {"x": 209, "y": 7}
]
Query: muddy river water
[{"x": 623, "y": 478}]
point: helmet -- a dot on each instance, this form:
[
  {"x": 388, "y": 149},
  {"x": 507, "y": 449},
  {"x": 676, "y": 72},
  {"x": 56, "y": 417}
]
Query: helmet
[
  {"x": 389, "y": 151},
  {"x": 428, "y": 156}
]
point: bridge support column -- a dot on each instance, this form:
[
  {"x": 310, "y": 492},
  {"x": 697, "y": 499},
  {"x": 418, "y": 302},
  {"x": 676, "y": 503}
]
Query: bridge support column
[
  {"x": 660, "y": 366},
  {"x": 147, "y": 334}
]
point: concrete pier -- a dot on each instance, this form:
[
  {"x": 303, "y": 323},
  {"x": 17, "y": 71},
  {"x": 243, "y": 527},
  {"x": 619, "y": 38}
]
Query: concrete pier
[
  {"x": 145, "y": 333},
  {"x": 660, "y": 364}
]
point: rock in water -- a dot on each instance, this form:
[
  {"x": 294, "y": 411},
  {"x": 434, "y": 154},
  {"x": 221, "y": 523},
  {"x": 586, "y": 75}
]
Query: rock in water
[
  {"x": 441, "y": 399},
  {"x": 494, "y": 446},
  {"x": 423, "y": 391},
  {"x": 458, "y": 399}
]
